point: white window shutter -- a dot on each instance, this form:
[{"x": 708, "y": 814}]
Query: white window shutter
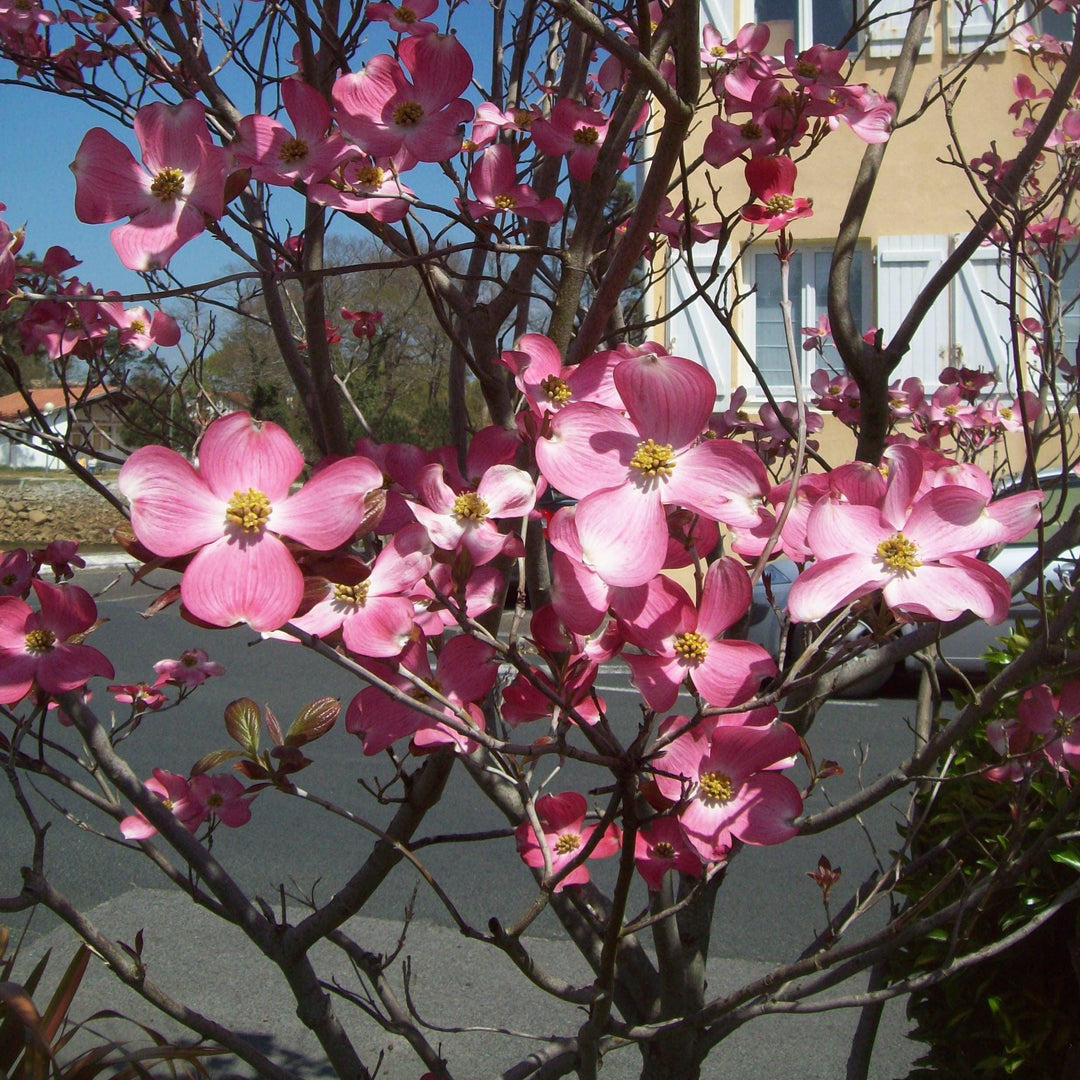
[
  {"x": 970, "y": 23},
  {"x": 693, "y": 331},
  {"x": 980, "y": 322},
  {"x": 904, "y": 265},
  {"x": 888, "y": 25},
  {"x": 720, "y": 14}
]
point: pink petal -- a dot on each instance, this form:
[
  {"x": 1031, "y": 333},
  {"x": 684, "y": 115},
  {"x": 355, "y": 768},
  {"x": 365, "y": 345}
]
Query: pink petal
[
  {"x": 725, "y": 597},
  {"x": 831, "y": 584},
  {"x": 66, "y": 667},
  {"x": 237, "y": 453},
  {"x": 669, "y": 398},
  {"x": 559, "y": 813},
  {"x": 328, "y": 509},
  {"x": 65, "y": 609},
  {"x": 110, "y": 183},
  {"x": 731, "y": 672},
  {"x": 172, "y": 510},
  {"x": 623, "y": 534},
  {"x": 381, "y": 626},
  {"x": 947, "y": 590},
  {"x": 172, "y": 136},
  {"x": 243, "y": 579},
  {"x": 589, "y": 448}
]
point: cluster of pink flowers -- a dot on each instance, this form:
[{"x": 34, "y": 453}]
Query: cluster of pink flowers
[
  {"x": 1046, "y": 728},
  {"x": 962, "y": 409}
]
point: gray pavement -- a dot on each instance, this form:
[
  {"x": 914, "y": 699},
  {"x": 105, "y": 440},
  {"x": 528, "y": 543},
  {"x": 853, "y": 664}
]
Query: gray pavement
[{"x": 767, "y": 911}]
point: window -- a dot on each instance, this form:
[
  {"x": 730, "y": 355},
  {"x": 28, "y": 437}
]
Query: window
[
  {"x": 1060, "y": 25},
  {"x": 806, "y": 22},
  {"x": 808, "y": 286}
]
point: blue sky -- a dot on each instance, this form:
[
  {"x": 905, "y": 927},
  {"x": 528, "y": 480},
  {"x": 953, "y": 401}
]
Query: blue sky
[{"x": 41, "y": 135}]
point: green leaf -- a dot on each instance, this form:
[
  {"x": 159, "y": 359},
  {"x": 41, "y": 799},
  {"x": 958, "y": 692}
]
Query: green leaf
[
  {"x": 1069, "y": 857},
  {"x": 242, "y": 720},
  {"x": 314, "y": 721},
  {"x": 213, "y": 760}
]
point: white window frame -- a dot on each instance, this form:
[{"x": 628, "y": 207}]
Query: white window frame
[{"x": 809, "y": 360}]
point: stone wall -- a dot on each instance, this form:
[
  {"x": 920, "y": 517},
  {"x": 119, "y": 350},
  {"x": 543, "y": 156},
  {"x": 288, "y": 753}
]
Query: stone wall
[{"x": 35, "y": 511}]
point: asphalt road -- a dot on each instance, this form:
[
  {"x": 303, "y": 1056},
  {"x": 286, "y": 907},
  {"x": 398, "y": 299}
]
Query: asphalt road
[{"x": 767, "y": 912}]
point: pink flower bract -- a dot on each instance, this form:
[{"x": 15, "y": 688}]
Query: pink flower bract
[{"x": 231, "y": 511}]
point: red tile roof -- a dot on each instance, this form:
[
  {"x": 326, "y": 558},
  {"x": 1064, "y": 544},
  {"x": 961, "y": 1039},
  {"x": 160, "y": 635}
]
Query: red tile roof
[{"x": 48, "y": 399}]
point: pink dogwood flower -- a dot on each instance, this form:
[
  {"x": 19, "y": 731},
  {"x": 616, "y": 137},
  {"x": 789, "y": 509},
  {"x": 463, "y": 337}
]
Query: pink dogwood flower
[
  {"x": 661, "y": 846},
  {"x": 463, "y": 675},
  {"x": 627, "y": 469},
  {"x": 562, "y": 818},
  {"x": 772, "y": 181},
  {"x": 685, "y": 642},
  {"x": 383, "y": 112},
  {"x": 44, "y": 647},
  {"x": 16, "y": 572},
  {"x": 168, "y": 201},
  {"x": 494, "y": 180},
  {"x": 192, "y": 669},
  {"x": 276, "y": 155},
  {"x": 175, "y": 792},
  {"x": 916, "y": 548},
  {"x": 725, "y": 785},
  {"x": 375, "y": 615},
  {"x": 1056, "y": 718},
  {"x": 573, "y": 130},
  {"x": 232, "y": 511},
  {"x": 466, "y": 520},
  {"x": 222, "y": 797},
  {"x": 405, "y": 18}
]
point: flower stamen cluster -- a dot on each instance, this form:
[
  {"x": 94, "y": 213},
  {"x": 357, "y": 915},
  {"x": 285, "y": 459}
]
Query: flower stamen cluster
[
  {"x": 715, "y": 787},
  {"x": 691, "y": 646},
  {"x": 167, "y": 184},
  {"x": 653, "y": 459},
  {"x": 250, "y": 510},
  {"x": 899, "y": 553},
  {"x": 352, "y": 594},
  {"x": 469, "y": 506}
]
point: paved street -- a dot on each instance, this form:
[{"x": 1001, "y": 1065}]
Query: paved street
[{"x": 767, "y": 912}]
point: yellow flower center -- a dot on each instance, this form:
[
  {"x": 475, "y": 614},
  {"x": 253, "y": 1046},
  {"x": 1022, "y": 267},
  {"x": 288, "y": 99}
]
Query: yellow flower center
[
  {"x": 250, "y": 510},
  {"x": 405, "y": 14},
  {"x": 556, "y": 389},
  {"x": 586, "y": 136},
  {"x": 807, "y": 70},
  {"x": 715, "y": 787},
  {"x": 352, "y": 594},
  {"x": 505, "y": 202},
  {"x": 523, "y": 118},
  {"x": 137, "y": 326},
  {"x": 370, "y": 176},
  {"x": 780, "y": 204},
  {"x": 470, "y": 507},
  {"x": 214, "y": 799},
  {"x": 750, "y": 130},
  {"x": 898, "y": 552},
  {"x": 1005, "y": 412},
  {"x": 951, "y": 410},
  {"x": 664, "y": 850},
  {"x": 408, "y": 113},
  {"x": 40, "y": 641},
  {"x": 653, "y": 459},
  {"x": 293, "y": 150},
  {"x": 691, "y": 646},
  {"x": 168, "y": 183},
  {"x": 468, "y": 146},
  {"x": 717, "y": 51},
  {"x": 566, "y": 843}
]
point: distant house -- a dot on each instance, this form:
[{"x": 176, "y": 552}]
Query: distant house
[{"x": 87, "y": 418}]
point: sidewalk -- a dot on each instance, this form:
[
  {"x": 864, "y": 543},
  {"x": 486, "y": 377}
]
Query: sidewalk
[{"x": 456, "y": 983}]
